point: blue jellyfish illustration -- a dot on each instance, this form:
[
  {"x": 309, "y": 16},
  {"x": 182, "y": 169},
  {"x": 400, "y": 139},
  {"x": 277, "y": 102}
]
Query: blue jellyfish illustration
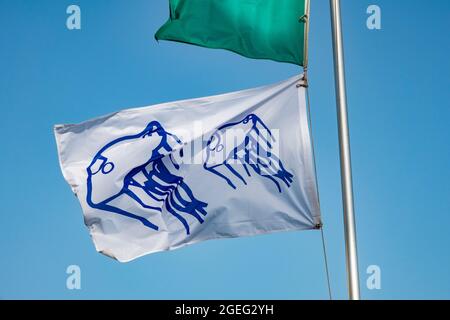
[
  {"x": 246, "y": 144},
  {"x": 137, "y": 167}
]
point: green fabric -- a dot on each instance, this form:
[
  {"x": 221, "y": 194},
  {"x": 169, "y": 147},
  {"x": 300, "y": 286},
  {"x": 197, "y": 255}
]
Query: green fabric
[{"x": 260, "y": 29}]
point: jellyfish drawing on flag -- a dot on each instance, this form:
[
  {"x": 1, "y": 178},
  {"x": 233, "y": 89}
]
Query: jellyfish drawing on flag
[
  {"x": 246, "y": 144},
  {"x": 141, "y": 169}
]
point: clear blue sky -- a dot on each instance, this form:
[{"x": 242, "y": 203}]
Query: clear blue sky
[{"x": 399, "y": 111}]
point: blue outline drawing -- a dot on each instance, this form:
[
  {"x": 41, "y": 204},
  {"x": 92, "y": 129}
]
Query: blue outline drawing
[
  {"x": 143, "y": 177},
  {"x": 253, "y": 149}
]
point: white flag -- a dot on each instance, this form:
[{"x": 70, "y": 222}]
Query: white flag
[{"x": 160, "y": 177}]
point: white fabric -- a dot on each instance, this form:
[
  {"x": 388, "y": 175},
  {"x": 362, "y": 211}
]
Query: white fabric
[{"x": 142, "y": 190}]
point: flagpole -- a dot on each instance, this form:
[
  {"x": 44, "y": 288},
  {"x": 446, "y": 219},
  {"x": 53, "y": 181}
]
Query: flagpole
[{"x": 344, "y": 146}]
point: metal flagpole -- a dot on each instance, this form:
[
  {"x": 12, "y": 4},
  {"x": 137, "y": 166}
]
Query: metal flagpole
[{"x": 344, "y": 146}]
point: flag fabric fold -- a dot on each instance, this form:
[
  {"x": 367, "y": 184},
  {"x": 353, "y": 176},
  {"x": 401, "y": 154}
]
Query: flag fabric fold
[
  {"x": 160, "y": 177},
  {"x": 259, "y": 29}
]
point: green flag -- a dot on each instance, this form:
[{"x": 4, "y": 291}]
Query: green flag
[{"x": 260, "y": 29}]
